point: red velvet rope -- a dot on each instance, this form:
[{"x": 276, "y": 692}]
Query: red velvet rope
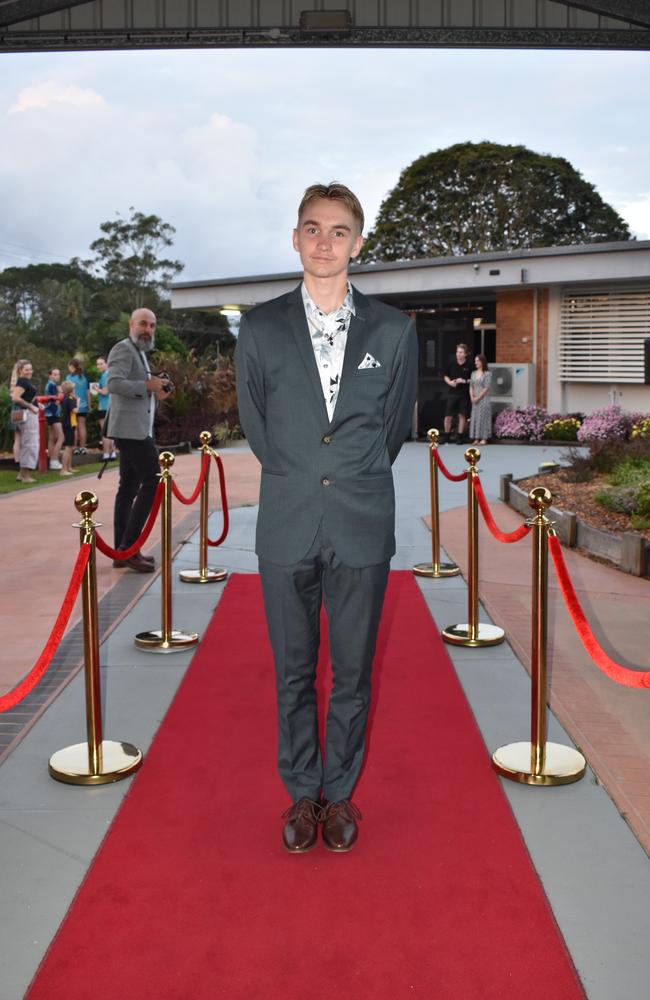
[
  {"x": 501, "y": 536},
  {"x": 445, "y": 471},
  {"x": 622, "y": 675},
  {"x": 122, "y": 554},
  {"x": 224, "y": 502},
  {"x": 205, "y": 462},
  {"x": 28, "y": 683}
]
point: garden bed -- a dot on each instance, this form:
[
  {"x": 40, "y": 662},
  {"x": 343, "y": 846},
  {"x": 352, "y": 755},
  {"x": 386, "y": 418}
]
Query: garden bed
[{"x": 595, "y": 530}]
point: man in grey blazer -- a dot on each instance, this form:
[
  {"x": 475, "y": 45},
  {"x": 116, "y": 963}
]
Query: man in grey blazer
[
  {"x": 326, "y": 382},
  {"x": 133, "y": 391}
]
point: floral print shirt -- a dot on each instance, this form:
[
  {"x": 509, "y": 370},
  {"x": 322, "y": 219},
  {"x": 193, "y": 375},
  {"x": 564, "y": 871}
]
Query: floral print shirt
[{"x": 329, "y": 335}]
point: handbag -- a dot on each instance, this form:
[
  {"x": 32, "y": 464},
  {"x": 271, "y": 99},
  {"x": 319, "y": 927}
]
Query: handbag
[{"x": 18, "y": 416}]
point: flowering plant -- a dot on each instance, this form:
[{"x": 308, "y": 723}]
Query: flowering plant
[
  {"x": 609, "y": 423},
  {"x": 640, "y": 426},
  {"x": 527, "y": 422},
  {"x": 562, "y": 429}
]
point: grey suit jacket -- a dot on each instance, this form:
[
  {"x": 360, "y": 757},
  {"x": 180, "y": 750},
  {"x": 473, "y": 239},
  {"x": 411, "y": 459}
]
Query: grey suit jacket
[
  {"x": 314, "y": 469},
  {"x": 128, "y": 408}
]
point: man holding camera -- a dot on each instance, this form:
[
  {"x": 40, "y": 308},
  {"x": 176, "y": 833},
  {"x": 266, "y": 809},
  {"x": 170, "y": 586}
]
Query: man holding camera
[{"x": 134, "y": 390}]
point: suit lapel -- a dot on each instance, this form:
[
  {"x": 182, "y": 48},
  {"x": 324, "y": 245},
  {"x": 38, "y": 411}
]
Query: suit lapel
[
  {"x": 355, "y": 350},
  {"x": 300, "y": 332}
]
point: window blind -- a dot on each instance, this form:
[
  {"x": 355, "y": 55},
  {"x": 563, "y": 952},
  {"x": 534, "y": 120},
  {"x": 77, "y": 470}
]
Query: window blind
[{"x": 602, "y": 333}]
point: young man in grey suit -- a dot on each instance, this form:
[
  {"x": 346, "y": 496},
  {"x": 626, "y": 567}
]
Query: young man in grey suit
[
  {"x": 133, "y": 393},
  {"x": 326, "y": 383}
]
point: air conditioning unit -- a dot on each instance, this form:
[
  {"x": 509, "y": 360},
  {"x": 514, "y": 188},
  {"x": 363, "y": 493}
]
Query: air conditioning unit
[{"x": 512, "y": 386}]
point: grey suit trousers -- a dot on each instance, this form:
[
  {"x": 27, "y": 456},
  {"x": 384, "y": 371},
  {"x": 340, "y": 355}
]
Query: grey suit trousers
[{"x": 353, "y": 599}]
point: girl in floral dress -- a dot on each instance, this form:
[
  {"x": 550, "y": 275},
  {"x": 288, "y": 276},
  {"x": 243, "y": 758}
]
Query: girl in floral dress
[{"x": 480, "y": 425}]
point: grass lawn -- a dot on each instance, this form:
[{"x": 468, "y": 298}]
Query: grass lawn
[{"x": 8, "y": 482}]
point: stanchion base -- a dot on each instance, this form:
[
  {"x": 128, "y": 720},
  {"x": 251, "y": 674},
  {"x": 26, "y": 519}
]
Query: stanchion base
[
  {"x": 562, "y": 764},
  {"x": 209, "y": 576},
  {"x": 443, "y": 569},
  {"x": 485, "y": 635},
  {"x": 152, "y": 642},
  {"x": 116, "y": 761}
]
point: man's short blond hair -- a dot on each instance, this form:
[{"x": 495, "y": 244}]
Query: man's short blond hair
[{"x": 333, "y": 192}]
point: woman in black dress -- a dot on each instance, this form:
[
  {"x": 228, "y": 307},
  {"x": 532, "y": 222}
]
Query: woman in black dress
[{"x": 23, "y": 403}]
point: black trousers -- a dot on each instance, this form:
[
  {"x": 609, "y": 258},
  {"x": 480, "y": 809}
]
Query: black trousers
[
  {"x": 353, "y": 600},
  {"x": 139, "y": 468}
]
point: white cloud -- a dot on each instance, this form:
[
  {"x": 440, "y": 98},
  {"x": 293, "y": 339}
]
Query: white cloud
[
  {"x": 636, "y": 213},
  {"x": 221, "y": 144},
  {"x": 51, "y": 94}
]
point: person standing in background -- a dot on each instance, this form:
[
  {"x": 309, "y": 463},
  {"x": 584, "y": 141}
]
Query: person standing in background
[
  {"x": 134, "y": 390},
  {"x": 457, "y": 376},
  {"x": 103, "y": 398},
  {"x": 480, "y": 425},
  {"x": 53, "y": 418},
  {"x": 23, "y": 401},
  {"x": 82, "y": 392},
  {"x": 68, "y": 424}
]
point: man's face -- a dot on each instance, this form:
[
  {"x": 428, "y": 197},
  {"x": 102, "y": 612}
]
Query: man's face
[
  {"x": 55, "y": 375},
  {"x": 326, "y": 237},
  {"x": 142, "y": 329},
  {"x": 461, "y": 357}
]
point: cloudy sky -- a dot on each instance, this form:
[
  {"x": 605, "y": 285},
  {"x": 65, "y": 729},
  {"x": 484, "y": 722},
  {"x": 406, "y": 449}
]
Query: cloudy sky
[{"x": 222, "y": 143}]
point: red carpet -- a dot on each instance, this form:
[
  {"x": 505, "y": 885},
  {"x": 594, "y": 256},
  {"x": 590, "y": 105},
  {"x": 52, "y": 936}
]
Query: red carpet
[{"x": 191, "y": 895}]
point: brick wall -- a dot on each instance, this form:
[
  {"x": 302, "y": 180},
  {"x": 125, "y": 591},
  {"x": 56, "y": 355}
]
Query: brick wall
[{"x": 515, "y": 317}]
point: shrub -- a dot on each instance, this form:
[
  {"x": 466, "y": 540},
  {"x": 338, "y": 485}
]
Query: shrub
[
  {"x": 632, "y": 470},
  {"x": 643, "y": 500},
  {"x": 609, "y": 423},
  {"x": 525, "y": 423},
  {"x": 6, "y": 430},
  {"x": 562, "y": 429},
  {"x": 621, "y": 501},
  {"x": 223, "y": 432},
  {"x": 203, "y": 396}
]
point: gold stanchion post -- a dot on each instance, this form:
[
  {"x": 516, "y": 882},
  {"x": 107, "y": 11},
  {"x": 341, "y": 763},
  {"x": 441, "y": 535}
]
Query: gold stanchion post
[
  {"x": 204, "y": 574},
  {"x": 472, "y": 633},
  {"x": 435, "y": 568},
  {"x": 539, "y": 762},
  {"x": 98, "y": 761},
  {"x": 166, "y": 639}
]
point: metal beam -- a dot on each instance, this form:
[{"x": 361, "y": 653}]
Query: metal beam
[
  {"x": 633, "y": 11},
  {"x": 160, "y": 38},
  {"x": 14, "y": 11}
]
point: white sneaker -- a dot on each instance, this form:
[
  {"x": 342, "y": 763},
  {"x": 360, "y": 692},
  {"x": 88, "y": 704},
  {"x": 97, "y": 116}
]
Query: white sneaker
[
  {"x": 55, "y": 464},
  {"x": 106, "y": 458}
]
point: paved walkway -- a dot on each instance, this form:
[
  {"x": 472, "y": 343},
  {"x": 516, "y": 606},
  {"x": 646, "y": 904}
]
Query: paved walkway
[
  {"x": 39, "y": 548},
  {"x": 594, "y": 870},
  {"x": 610, "y": 723}
]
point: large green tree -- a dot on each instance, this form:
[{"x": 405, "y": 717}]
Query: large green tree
[
  {"x": 477, "y": 197},
  {"x": 128, "y": 256}
]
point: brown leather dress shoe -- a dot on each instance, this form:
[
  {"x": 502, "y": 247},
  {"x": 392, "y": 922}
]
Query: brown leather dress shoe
[
  {"x": 139, "y": 564},
  {"x": 301, "y": 828},
  {"x": 340, "y": 830},
  {"x": 123, "y": 563}
]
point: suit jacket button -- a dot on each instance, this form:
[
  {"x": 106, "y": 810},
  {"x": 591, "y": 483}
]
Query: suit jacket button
[
  {"x": 327, "y": 439},
  {"x": 326, "y": 482}
]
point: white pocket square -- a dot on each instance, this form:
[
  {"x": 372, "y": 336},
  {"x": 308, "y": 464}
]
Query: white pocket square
[{"x": 369, "y": 362}]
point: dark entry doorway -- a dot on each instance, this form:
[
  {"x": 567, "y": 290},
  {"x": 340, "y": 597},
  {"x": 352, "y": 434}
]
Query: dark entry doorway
[{"x": 439, "y": 330}]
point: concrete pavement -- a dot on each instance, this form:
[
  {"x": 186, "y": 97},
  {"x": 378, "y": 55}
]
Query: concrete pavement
[{"x": 593, "y": 868}]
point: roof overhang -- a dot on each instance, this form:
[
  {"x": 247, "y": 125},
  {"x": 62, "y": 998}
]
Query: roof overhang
[
  {"x": 32, "y": 25},
  {"x": 474, "y": 276}
]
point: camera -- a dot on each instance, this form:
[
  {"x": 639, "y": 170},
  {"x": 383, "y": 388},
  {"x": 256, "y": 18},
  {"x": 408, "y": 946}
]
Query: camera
[{"x": 167, "y": 385}]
